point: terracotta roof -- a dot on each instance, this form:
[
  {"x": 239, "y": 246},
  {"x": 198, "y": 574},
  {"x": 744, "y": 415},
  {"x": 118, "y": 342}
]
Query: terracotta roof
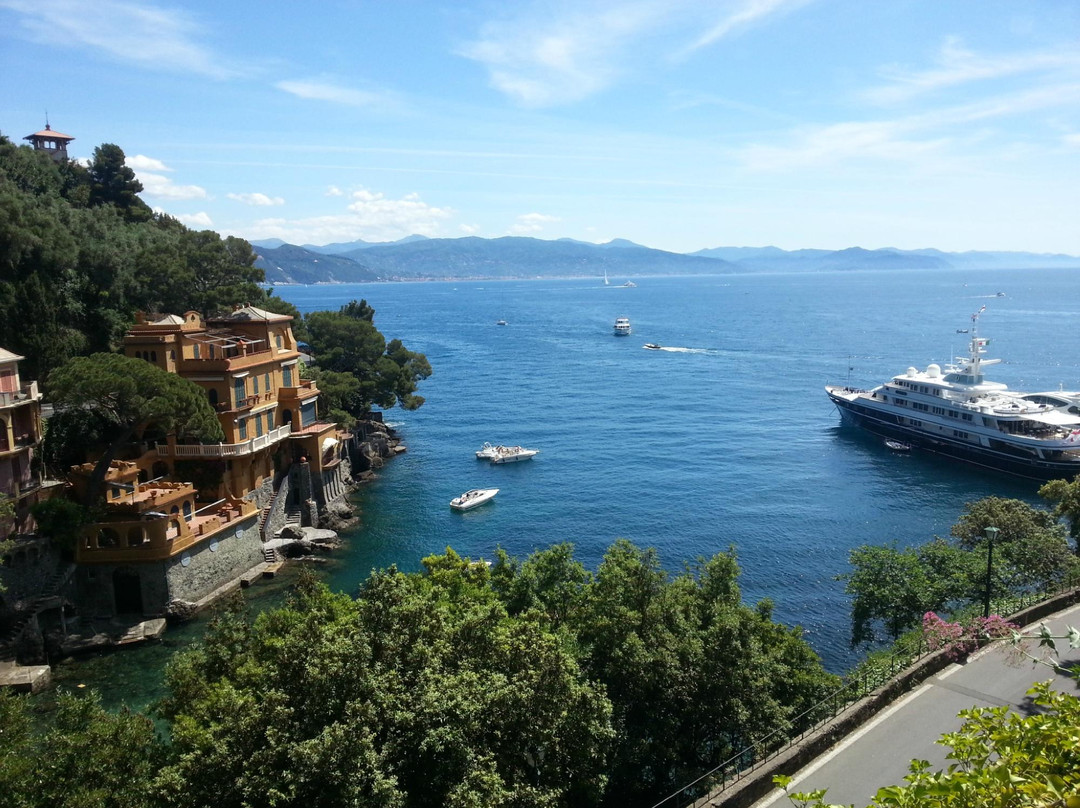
[{"x": 50, "y": 133}]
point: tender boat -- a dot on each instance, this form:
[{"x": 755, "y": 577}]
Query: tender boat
[
  {"x": 958, "y": 413},
  {"x": 622, "y": 327},
  {"x": 473, "y": 498},
  {"x": 652, "y": 346},
  {"x": 898, "y": 445},
  {"x": 512, "y": 454},
  {"x": 629, "y": 285}
]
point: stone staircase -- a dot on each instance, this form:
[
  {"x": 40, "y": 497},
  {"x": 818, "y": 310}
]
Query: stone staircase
[{"x": 28, "y": 607}]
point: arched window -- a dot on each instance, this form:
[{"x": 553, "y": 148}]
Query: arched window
[
  {"x": 286, "y": 417},
  {"x": 279, "y": 341},
  {"x": 135, "y": 536},
  {"x": 187, "y": 511},
  {"x": 107, "y": 537}
]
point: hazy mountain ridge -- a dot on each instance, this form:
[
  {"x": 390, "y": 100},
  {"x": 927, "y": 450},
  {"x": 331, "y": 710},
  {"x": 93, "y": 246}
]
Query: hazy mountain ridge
[{"x": 418, "y": 257}]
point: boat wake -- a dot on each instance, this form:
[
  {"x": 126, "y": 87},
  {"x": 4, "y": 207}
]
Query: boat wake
[{"x": 670, "y": 349}]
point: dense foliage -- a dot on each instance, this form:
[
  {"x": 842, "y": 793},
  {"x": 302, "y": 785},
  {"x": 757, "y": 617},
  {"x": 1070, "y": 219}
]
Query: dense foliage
[
  {"x": 80, "y": 253},
  {"x": 357, "y": 367},
  {"x": 529, "y": 683},
  {"x": 892, "y": 588}
]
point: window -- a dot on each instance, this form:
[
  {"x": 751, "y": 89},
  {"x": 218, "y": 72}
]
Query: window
[
  {"x": 243, "y": 428},
  {"x": 286, "y": 373},
  {"x": 267, "y": 380},
  {"x": 195, "y": 350},
  {"x": 254, "y": 385},
  {"x": 238, "y": 391},
  {"x": 278, "y": 338}
]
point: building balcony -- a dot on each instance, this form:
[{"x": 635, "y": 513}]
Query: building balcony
[
  {"x": 225, "y": 449},
  {"x": 28, "y": 393},
  {"x": 227, "y": 363},
  {"x": 306, "y": 389},
  {"x": 160, "y": 536}
]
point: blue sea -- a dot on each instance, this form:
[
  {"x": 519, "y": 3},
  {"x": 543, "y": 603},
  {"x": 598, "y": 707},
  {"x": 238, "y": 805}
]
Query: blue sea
[{"x": 724, "y": 439}]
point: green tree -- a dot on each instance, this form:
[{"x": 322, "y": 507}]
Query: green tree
[
  {"x": 112, "y": 182},
  {"x": 88, "y": 758},
  {"x": 423, "y": 691},
  {"x": 130, "y": 396},
  {"x": 347, "y": 341},
  {"x": 1064, "y": 495}
]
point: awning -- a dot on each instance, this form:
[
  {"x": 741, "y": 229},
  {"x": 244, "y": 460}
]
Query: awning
[
  {"x": 1054, "y": 418},
  {"x": 328, "y": 442}
]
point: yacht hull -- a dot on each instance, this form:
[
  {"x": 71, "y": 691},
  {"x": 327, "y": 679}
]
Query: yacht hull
[{"x": 884, "y": 425}]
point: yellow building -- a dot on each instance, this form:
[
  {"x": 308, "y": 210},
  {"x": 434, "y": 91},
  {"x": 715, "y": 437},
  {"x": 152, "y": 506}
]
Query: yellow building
[
  {"x": 20, "y": 439},
  {"x": 166, "y": 544}
]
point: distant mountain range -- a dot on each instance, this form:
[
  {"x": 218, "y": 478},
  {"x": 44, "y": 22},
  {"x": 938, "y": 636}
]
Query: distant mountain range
[{"x": 420, "y": 258}]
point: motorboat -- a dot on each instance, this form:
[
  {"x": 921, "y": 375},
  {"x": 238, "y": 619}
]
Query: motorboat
[
  {"x": 898, "y": 445},
  {"x": 629, "y": 285},
  {"x": 622, "y": 327},
  {"x": 961, "y": 331},
  {"x": 652, "y": 346},
  {"x": 512, "y": 454},
  {"x": 500, "y": 322},
  {"x": 487, "y": 451},
  {"x": 474, "y": 498},
  {"x": 957, "y": 412}
]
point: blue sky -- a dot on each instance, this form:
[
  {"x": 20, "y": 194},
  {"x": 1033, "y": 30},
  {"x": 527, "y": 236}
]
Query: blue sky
[{"x": 678, "y": 124}]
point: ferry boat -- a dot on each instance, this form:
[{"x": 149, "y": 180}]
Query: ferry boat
[
  {"x": 622, "y": 327},
  {"x": 958, "y": 413}
]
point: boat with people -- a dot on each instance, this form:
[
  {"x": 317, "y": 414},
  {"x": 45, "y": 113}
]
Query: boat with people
[
  {"x": 473, "y": 498},
  {"x": 512, "y": 454},
  {"x": 487, "y": 451},
  {"x": 957, "y": 412},
  {"x": 622, "y": 326}
]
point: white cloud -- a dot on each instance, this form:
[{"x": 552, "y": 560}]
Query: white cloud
[
  {"x": 333, "y": 190},
  {"x": 140, "y": 162},
  {"x": 162, "y": 187},
  {"x": 256, "y": 199},
  {"x": 369, "y": 216},
  {"x": 958, "y": 66},
  {"x": 196, "y": 221},
  {"x": 336, "y": 94},
  {"x": 143, "y": 33},
  {"x": 531, "y": 223},
  {"x": 550, "y": 53},
  {"x": 1073, "y": 140},
  {"x": 469, "y": 229},
  {"x": 743, "y": 15}
]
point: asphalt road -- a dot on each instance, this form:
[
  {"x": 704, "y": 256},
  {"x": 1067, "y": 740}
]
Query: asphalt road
[{"x": 878, "y": 753}]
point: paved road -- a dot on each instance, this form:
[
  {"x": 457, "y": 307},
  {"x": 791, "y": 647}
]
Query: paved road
[{"x": 877, "y": 754}]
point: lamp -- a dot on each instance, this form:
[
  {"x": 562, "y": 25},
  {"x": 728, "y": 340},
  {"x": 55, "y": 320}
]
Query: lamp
[{"x": 991, "y": 534}]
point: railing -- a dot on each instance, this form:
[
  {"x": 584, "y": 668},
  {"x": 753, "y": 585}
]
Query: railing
[
  {"x": 867, "y": 678},
  {"x": 29, "y": 392},
  {"x": 226, "y": 449}
]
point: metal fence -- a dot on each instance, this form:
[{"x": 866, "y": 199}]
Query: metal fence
[{"x": 867, "y": 677}]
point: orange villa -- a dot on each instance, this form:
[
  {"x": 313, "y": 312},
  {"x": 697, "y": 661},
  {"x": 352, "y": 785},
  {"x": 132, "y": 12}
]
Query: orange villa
[{"x": 165, "y": 543}]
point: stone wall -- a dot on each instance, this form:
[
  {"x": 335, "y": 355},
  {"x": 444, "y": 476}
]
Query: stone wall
[{"x": 213, "y": 563}]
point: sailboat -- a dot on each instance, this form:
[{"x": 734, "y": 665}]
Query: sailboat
[{"x": 605, "y": 278}]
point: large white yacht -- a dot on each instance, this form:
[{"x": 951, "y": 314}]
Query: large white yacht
[
  {"x": 622, "y": 326},
  {"x": 958, "y": 413}
]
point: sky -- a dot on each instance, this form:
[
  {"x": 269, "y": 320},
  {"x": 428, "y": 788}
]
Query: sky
[{"x": 677, "y": 124}]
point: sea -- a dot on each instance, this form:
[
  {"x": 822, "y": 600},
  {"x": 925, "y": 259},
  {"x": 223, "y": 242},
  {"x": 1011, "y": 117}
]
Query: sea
[{"x": 723, "y": 439}]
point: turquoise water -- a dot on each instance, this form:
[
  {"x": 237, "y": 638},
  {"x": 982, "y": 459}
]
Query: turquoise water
[{"x": 728, "y": 441}]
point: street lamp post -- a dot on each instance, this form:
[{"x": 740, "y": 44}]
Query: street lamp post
[{"x": 991, "y": 534}]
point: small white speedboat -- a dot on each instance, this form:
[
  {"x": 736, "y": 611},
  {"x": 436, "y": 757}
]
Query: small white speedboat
[
  {"x": 652, "y": 346},
  {"x": 487, "y": 452},
  {"x": 512, "y": 454},
  {"x": 473, "y": 498},
  {"x": 898, "y": 445}
]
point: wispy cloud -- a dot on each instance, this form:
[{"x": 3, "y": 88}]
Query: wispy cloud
[
  {"x": 531, "y": 223},
  {"x": 256, "y": 199},
  {"x": 549, "y": 53},
  {"x": 545, "y": 56},
  {"x": 736, "y": 16},
  {"x": 333, "y": 190},
  {"x": 957, "y": 66},
  {"x": 143, "y": 33},
  {"x": 329, "y": 91},
  {"x": 370, "y": 216}
]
